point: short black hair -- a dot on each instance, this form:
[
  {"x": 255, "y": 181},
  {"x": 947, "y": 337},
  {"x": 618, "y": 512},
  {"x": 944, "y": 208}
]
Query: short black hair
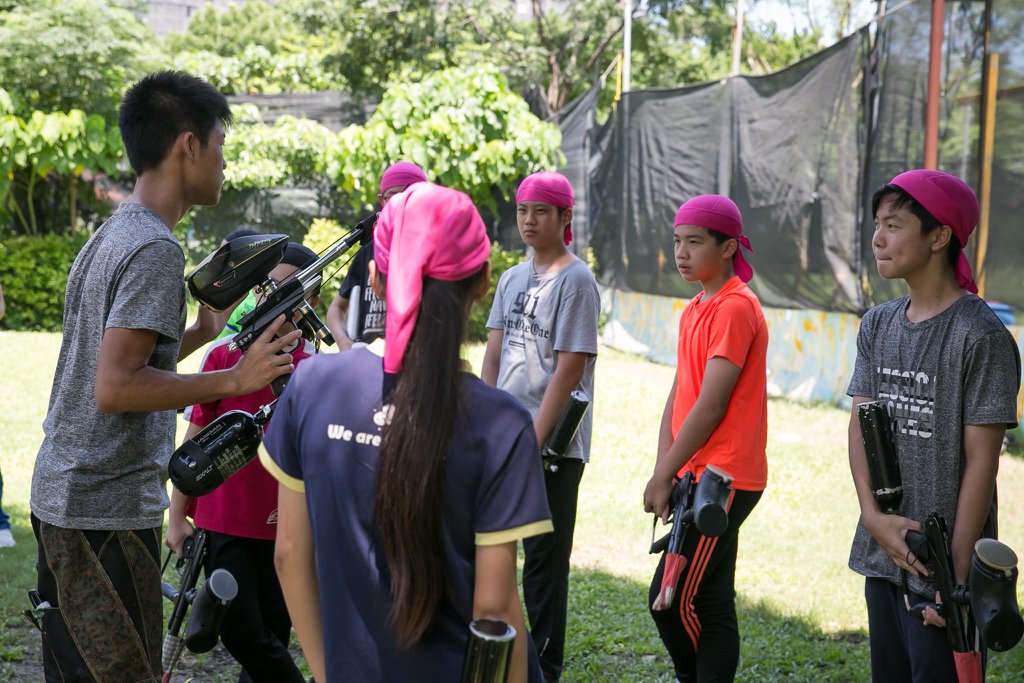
[
  {"x": 720, "y": 237},
  {"x": 160, "y": 107},
  {"x": 901, "y": 199}
]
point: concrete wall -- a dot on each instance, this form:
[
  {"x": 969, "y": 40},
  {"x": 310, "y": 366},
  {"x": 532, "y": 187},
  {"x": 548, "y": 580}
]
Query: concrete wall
[{"x": 810, "y": 353}]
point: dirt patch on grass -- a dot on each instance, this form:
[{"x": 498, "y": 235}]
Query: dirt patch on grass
[{"x": 21, "y": 660}]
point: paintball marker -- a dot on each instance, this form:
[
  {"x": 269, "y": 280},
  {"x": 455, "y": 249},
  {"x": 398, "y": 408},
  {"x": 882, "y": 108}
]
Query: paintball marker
[
  {"x": 228, "y": 443},
  {"x": 243, "y": 264},
  {"x": 702, "y": 504},
  {"x": 560, "y": 438},
  {"x": 988, "y": 600},
  {"x": 209, "y": 603}
]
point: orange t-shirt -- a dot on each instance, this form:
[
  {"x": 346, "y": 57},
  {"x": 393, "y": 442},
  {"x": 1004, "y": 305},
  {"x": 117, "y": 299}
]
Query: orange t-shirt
[{"x": 730, "y": 325}]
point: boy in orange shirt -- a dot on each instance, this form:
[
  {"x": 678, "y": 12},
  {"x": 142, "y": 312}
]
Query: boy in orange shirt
[{"x": 716, "y": 414}]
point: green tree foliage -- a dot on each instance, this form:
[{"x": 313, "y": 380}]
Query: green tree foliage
[
  {"x": 228, "y": 33},
  {"x": 44, "y": 157},
  {"x": 58, "y": 55},
  {"x": 255, "y": 69},
  {"x": 464, "y": 127},
  {"x": 368, "y": 42}
]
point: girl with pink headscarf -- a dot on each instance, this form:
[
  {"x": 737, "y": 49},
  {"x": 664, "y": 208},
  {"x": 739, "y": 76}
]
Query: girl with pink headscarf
[{"x": 405, "y": 482}]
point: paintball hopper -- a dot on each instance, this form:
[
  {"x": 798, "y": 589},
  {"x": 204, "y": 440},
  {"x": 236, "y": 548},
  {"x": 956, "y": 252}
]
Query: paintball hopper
[
  {"x": 709, "y": 502},
  {"x": 226, "y": 275},
  {"x": 208, "y": 608},
  {"x": 880, "y": 452},
  {"x": 206, "y": 460},
  {"x": 992, "y": 583},
  {"x": 488, "y": 652}
]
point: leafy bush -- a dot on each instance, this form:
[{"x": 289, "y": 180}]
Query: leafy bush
[
  {"x": 34, "y": 273},
  {"x": 464, "y": 127},
  {"x": 45, "y": 156},
  {"x": 501, "y": 261},
  {"x": 258, "y": 70}
]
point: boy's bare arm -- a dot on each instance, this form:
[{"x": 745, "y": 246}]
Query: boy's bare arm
[
  {"x": 126, "y": 383},
  {"x": 337, "y": 322},
  {"x": 569, "y": 369},
  {"x": 492, "y": 357},
  {"x": 889, "y": 531},
  {"x": 205, "y": 329},
  {"x": 665, "y": 435},
  {"x": 720, "y": 377},
  {"x": 982, "y": 444}
]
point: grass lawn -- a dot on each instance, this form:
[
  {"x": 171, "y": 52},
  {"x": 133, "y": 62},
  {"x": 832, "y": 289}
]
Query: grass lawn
[{"x": 801, "y": 610}]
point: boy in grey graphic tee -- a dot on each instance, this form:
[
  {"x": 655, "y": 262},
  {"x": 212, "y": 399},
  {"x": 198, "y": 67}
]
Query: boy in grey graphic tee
[
  {"x": 542, "y": 346},
  {"x": 948, "y": 372}
]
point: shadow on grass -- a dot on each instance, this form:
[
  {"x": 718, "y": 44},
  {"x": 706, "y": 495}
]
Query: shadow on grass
[{"x": 612, "y": 638}]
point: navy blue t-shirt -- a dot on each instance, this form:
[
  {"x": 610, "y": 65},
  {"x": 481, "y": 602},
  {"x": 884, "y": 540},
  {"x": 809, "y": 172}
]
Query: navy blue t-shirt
[{"x": 324, "y": 440}]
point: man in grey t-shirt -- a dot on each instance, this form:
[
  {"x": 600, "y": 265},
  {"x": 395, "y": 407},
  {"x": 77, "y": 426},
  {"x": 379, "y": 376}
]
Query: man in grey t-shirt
[
  {"x": 948, "y": 372},
  {"x": 98, "y": 487}
]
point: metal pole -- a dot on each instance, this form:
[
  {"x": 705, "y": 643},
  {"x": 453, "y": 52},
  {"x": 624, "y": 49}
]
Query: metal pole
[
  {"x": 931, "y": 117},
  {"x": 627, "y": 42},
  {"x": 985, "y": 194},
  {"x": 737, "y": 37}
]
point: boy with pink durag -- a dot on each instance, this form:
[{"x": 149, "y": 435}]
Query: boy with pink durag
[
  {"x": 542, "y": 346},
  {"x": 948, "y": 372}
]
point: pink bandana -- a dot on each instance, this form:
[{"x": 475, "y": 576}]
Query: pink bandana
[
  {"x": 402, "y": 173},
  {"x": 952, "y": 202},
  {"x": 427, "y": 231},
  {"x": 551, "y": 188},
  {"x": 718, "y": 213}
]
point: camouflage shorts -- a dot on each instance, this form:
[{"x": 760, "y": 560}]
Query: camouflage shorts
[{"x": 104, "y": 618}]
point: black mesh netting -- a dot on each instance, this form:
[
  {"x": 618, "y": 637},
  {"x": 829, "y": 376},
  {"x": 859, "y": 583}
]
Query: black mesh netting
[{"x": 801, "y": 152}]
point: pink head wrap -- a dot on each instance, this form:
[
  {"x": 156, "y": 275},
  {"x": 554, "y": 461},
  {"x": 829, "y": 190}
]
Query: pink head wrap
[
  {"x": 952, "y": 202},
  {"x": 718, "y": 213},
  {"x": 403, "y": 173},
  {"x": 551, "y": 188},
  {"x": 427, "y": 231}
]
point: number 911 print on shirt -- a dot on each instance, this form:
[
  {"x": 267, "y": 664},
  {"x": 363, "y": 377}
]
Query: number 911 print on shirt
[{"x": 523, "y": 320}]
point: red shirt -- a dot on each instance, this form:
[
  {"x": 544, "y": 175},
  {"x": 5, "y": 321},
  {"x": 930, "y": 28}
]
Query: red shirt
[
  {"x": 729, "y": 325},
  {"x": 246, "y": 504}
]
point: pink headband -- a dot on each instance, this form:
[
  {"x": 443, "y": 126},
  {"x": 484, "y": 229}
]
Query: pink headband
[
  {"x": 402, "y": 173},
  {"x": 718, "y": 213},
  {"x": 551, "y": 188},
  {"x": 427, "y": 231},
  {"x": 952, "y": 202}
]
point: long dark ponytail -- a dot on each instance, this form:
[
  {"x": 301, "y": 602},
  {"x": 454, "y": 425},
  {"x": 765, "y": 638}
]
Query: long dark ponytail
[{"x": 408, "y": 504}]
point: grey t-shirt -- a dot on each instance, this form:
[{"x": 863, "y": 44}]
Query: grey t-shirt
[
  {"x": 958, "y": 368},
  {"x": 542, "y": 315},
  {"x": 97, "y": 470}
]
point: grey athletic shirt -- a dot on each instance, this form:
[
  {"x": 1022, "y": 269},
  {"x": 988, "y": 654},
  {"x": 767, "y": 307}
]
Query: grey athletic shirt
[
  {"x": 108, "y": 471},
  {"x": 958, "y": 368},
  {"x": 542, "y": 315}
]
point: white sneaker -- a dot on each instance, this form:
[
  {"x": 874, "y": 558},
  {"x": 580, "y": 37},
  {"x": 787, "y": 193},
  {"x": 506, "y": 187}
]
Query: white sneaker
[{"x": 6, "y": 539}]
